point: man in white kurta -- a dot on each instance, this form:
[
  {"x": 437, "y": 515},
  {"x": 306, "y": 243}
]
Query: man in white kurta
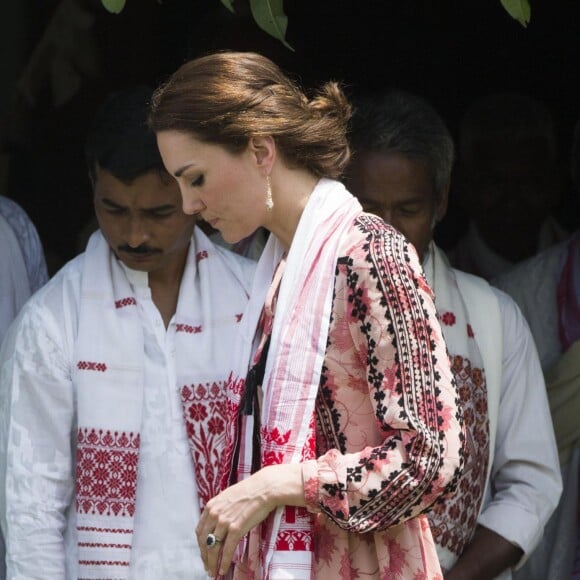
[
  {"x": 511, "y": 483},
  {"x": 113, "y": 380}
]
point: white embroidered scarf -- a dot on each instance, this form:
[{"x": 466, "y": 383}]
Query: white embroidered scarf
[
  {"x": 292, "y": 376},
  {"x": 110, "y": 382},
  {"x": 462, "y": 337}
]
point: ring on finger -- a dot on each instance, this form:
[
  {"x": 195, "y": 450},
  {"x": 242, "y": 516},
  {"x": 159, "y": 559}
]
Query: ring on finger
[{"x": 212, "y": 540}]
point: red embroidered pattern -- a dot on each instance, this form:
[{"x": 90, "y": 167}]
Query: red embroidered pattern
[
  {"x": 447, "y": 318},
  {"x": 180, "y": 327},
  {"x": 85, "y": 365},
  {"x": 289, "y": 540},
  {"x": 201, "y": 256},
  {"x": 453, "y": 521},
  {"x": 239, "y": 317},
  {"x": 103, "y": 545},
  {"x": 295, "y": 530},
  {"x": 106, "y": 472},
  {"x": 206, "y": 418},
  {"x": 274, "y": 436},
  {"x": 129, "y": 301},
  {"x": 104, "y": 530},
  {"x": 102, "y": 563}
]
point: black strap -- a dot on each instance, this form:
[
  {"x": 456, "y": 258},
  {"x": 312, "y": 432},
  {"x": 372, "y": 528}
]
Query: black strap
[
  {"x": 254, "y": 379},
  {"x": 250, "y": 405}
]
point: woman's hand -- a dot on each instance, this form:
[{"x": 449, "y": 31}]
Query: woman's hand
[{"x": 234, "y": 512}]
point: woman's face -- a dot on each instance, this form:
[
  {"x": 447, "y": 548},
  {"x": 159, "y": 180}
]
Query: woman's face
[{"x": 227, "y": 190}]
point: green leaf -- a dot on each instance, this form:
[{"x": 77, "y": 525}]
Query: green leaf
[
  {"x": 269, "y": 16},
  {"x": 229, "y": 4},
  {"x": 518, "y": 9},
  {"x": 114, "y": 6}
]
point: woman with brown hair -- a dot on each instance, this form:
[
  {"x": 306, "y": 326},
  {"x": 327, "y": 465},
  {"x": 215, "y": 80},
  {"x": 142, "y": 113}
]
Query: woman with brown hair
[{"x": 344, "y": 422}]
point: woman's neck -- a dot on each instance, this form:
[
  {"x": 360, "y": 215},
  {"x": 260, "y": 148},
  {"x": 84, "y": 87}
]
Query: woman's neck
[{"x": 291, "y": 189}]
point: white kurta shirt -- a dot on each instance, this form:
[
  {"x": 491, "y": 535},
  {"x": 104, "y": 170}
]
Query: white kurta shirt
[
  {"x": 533, "y": 285},
  {"x": 14, "y": 285},
  {"x": 167, "y": 509},
  {"x": 29, "y": 241},
  {"x": 525, "y": 482}
]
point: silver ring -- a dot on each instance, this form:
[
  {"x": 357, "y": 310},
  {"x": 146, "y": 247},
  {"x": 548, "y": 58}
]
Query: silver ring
[{"x": 212, "y": 540}]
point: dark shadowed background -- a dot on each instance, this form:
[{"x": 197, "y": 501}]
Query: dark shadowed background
[{"x": 59, "y": 59}]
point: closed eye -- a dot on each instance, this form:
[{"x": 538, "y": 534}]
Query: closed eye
[
  {"x": 116, "y": 210},
  {"x": 161, "y": 213},
  {"x": 198, "y": 182},
  {"x": 408, "y": 211}
]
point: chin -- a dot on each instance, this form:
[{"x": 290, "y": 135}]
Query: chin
[
  {"x": 231, "y": 238},
  {"x": 140, "y": 265}
]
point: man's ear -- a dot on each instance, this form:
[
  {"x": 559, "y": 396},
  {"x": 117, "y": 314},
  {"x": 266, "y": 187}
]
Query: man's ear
[{"x": 263, "y": 150}]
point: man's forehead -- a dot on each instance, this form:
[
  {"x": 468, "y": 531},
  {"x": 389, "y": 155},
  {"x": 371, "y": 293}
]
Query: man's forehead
[{"x": 147, "y": 191}]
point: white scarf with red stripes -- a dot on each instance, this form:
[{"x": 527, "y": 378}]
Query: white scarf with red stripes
[{"x": 282, "y": 545}]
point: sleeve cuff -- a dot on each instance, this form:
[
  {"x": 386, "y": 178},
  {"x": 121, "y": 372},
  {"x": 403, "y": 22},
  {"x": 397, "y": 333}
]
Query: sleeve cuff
[
  {"x": 310, "y": 480},
  {"x": 515, "y": 524}
]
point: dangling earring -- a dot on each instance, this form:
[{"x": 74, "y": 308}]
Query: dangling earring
[{"x": 269, "y": 200}]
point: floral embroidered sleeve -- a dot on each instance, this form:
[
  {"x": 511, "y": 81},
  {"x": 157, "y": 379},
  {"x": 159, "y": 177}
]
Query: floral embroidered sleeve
[{"x": 388, "y": 424}]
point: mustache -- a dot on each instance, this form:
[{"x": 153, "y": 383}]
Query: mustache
[{"x": 139, "y": 250}]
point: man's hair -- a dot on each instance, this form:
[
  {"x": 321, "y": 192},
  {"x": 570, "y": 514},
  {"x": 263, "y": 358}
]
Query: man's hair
[
  {"x": 119, "y": 139},
  {"x": 502, "y": 116},
  {"x": 395, "y": 121}
]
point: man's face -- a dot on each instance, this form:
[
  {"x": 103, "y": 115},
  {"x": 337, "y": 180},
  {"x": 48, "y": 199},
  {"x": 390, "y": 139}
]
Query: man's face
[
  {"x": 401, "y": 191},
  {"x": 143, "y": 221}
]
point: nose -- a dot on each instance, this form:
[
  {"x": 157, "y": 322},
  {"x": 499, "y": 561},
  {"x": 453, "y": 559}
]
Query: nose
[
  {"x": 138, "y": 233},
  {"x": 387, "y": 216},
  {"x": 191, "y": 203}
]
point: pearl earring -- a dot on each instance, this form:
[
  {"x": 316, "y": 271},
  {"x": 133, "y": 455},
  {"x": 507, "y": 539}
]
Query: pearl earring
[{"x": 269, "y": 200}]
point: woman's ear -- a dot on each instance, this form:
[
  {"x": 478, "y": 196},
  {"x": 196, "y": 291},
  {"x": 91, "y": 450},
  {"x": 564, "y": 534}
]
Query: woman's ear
[{"x": 263, "y": 150}]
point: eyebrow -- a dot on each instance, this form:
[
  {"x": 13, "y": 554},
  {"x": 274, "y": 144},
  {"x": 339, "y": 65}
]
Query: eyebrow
[
  {"x": 164, "y": 207},
  {"x": 110, "y": 203},
  {"x": 180, "y": 171}
]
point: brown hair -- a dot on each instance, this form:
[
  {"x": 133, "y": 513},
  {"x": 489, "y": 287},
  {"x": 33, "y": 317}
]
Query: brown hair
[{"x": 227, "y": 97}]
